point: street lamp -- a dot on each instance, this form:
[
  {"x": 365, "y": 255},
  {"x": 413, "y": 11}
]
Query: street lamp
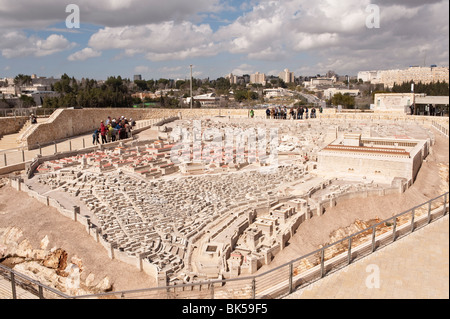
[{"x": 192, "y": 101}]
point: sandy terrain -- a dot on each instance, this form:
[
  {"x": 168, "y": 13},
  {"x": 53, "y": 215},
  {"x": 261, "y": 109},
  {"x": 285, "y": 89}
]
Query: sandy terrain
[{"x": 38, "y": 220}]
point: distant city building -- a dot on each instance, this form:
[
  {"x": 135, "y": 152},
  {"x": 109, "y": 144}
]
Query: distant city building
[
  {"x": 425, "y": 75},
  {"x": 368, "y": 76},
  {"x": 233, "y": 78},
  {"x": 137, "y": 77},
  {"x": 404, "y": 102},
  {"x": 279, "y": 92},
  {"x": 329, "y": 93},
  {"x": 205, "y": 100},
  {"x": 287, "y": 76},
  {"x": 258, "y": 78},
  {"x": 320, "y": 81}
]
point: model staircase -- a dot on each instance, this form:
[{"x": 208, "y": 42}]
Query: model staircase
[{"x": 11, "y": 141}]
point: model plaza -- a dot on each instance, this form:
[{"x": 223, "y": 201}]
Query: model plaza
[{"x": 233, "y": 210}]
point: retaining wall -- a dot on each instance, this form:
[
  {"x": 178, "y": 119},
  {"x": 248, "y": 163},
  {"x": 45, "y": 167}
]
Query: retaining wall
[{"x": 12, "y": 125}]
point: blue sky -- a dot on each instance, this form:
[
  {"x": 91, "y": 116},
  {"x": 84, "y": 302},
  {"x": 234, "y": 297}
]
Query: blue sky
[{"x": 161, "y": 39}]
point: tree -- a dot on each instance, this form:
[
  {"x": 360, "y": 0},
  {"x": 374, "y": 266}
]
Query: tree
[
  {"x": 343, "y": 99},
  {"x": 27, "y": 101},
  {"x": 22, "y": 79}
]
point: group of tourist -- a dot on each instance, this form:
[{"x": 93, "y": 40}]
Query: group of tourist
[
  {"x": 112, "y": 130},
  {"x": 299, "y": 113}
]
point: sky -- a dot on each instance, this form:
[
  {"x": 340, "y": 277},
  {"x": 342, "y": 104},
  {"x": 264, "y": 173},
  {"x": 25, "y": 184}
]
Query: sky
[{"x": 161, "y": 39}]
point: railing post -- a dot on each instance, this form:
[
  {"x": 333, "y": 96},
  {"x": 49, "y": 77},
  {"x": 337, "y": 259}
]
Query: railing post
[
  {"x": 41, "y": 292},
  {"x": 254, "y": 288},
  {"x": 350, "y": 250},
  {"x": 4, "y": 159},
  {"x": 373, "y": 238},
  {"x": 322, "y": 263},
  {"x": 212, "y": 290},
  {"x": 429, "y": 212},
  {"x": 56, "y": 148},
  {"x": 23, "y": 156},
  {"x": 291, "y": 274},
  {"x": 13, "y": 286},
  {"x": 394, "y": 229},
  {"x": 445, "y": 204},
  {"x": 413, "y": 212}
]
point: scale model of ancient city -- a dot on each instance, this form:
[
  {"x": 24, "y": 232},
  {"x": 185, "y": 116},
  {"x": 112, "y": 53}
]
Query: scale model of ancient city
[{"x": 219, "y": 198}]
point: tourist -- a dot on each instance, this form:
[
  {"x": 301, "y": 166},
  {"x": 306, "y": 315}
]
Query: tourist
[
  {"x": 292, "y": 113},
  {"x": 306, "y": 112},
  {"x": 313, "y": 112},
  {"x": 33, "y": 119},
  {"x": 252, "y": 113},
  {"x": 95, "y": 140},
  {"x": 301, "y": 112},
  {"x": 109, "y": 133},
  {"x": 268, "y": 113},
  {"x": 103, "y": 132}
]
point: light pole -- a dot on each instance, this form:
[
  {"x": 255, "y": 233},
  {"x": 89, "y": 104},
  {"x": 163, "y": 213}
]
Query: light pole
[{"x": 192, "y": 101}]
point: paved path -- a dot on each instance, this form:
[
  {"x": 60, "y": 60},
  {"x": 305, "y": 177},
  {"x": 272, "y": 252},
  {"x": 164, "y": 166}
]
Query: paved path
[{"x": 414, "y": 267}]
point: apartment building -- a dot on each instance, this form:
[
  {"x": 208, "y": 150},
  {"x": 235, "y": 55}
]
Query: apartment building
[
  {"x": 287, "y": 76},
  {"x": 414, "y": 73}
]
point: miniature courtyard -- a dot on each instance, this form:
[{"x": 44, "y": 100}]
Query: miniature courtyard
[{"x": 223, "y": 216}]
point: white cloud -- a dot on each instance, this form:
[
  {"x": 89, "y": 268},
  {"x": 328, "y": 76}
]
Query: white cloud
[
  {"x": 298, "y": 34},
  {"x": 16, "y": 44},
  {"x": 160, "y": 42},
  {"x": 112, "y": 13},
  {"x": 82, "y": 55},
  {"x": 243, "y": 69}
]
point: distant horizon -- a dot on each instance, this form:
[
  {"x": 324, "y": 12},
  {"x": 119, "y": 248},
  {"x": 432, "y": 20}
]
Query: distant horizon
[
  {"x": 198, "y": 78},
  {"x": 218, "y": 37}
]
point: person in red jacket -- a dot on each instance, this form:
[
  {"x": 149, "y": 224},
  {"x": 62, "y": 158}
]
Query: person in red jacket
[{"x": 103, "y": 132}]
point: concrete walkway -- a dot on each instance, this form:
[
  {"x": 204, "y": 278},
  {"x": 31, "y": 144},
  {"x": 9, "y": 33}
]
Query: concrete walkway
[{"x": 414, "y": 267}]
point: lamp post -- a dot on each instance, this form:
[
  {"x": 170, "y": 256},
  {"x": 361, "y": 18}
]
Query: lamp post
[
  {"x": 191, "y": 88},
  {"x": 414, "y": 99}
]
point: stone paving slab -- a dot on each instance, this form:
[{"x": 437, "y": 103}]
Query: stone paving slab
[{"x": 414, "y": 267}]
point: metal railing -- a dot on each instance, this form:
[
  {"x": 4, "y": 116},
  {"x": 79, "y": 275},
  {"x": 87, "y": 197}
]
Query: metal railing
[
  {"x": 24, "y": 287},
  {"x": 17, "y": 112},
  {"x": 290, "y": 276},
  {"x": 441, "y": 128}
]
